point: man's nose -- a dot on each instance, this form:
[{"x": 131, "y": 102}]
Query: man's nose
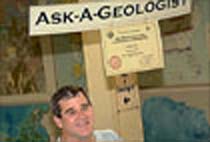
[{"x": 81, "y": 114}]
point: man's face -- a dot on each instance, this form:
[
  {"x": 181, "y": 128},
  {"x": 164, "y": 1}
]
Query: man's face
[{"x": 77, "y": 117}]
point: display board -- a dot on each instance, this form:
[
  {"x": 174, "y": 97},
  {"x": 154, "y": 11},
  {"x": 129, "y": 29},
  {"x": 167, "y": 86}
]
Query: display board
[{"x": 185, "y": 50}]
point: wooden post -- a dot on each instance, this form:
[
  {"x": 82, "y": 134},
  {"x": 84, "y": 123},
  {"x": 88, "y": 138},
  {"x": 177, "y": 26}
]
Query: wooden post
[{"x": 111, "y": 110}]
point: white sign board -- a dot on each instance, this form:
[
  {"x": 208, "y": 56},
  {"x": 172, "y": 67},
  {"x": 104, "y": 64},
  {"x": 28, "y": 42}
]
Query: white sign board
[
  {"x": 54, "y": 19},
  {"x": 132, "y": 49}
]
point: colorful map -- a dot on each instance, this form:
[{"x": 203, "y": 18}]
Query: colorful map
[
  {"x": 23, "y": 123},
  {"x": 167, "y": 120}
]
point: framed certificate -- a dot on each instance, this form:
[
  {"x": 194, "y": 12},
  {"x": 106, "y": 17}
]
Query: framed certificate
[{"x": 133, "y": 48}]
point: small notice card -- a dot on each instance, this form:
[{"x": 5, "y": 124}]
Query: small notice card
[{"x": 133, "y": 48}]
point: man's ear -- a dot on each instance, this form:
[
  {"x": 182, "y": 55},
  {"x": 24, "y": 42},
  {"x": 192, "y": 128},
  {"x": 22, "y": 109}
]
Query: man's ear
[{"x": 57, "y": 121}]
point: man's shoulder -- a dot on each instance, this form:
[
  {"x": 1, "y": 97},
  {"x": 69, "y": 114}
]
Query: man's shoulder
[{"x": 107, "y": 135}]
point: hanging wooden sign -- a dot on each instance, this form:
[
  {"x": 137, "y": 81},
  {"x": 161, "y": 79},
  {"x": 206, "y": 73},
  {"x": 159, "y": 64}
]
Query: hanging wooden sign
[{"x": 56, "y": 19}]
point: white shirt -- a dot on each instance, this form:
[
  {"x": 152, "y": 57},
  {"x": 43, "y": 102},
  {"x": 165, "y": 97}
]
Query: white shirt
[{"x": 106, "y": 135}]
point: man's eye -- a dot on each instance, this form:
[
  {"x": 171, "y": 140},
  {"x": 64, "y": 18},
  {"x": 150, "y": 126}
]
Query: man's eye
[
  {"x": 71, "y": 112},
  {"x": 85, "y": 107}
]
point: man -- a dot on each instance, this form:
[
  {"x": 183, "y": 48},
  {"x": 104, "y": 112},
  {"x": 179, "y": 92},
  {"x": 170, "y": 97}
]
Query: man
[{"x": 73, "y": 114}]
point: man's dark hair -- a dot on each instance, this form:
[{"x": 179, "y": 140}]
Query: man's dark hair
[{"x": 66, "y": 92}]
